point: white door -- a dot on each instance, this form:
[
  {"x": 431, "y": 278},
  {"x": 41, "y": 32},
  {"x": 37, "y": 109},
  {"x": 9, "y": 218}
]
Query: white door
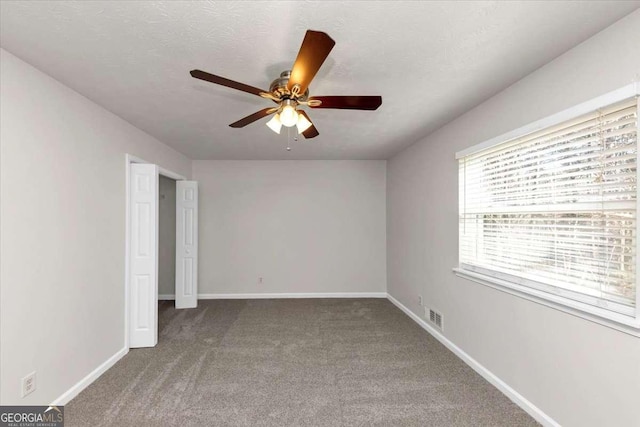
[
  {"x": 143, "y": 267},
  {"x": 186, "y": 244}
]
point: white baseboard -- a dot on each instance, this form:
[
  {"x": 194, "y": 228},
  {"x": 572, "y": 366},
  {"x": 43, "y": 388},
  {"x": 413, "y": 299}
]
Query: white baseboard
[
  {"x": 86, "y": 381},
  {"x": 168, "y": 297},
  {"x": 516, "y": 397}
]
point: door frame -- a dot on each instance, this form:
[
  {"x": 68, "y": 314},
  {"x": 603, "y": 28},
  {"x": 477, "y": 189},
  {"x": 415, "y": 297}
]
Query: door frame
[{"x": 129, "y": 159}]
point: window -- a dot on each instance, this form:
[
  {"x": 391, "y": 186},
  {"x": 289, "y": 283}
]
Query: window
[{"x": 553, "y": 212}]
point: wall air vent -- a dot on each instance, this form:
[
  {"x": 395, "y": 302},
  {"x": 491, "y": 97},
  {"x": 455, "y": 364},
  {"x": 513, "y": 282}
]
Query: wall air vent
[{"x": 435, "y": 318}]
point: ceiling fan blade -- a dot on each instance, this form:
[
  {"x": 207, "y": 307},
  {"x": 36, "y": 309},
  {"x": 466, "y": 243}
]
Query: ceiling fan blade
[
  {"x": 311, "y": 132},
  {"x": 348, "y": 102},
  {"x": 314, "y": 50},
  {"x": 203, "y": 75},
  {"x": 253, "y": 117}
]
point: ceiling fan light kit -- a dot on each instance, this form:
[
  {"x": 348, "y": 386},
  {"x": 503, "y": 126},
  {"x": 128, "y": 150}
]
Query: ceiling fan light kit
[
  {"x": 288, "y": 113},
  {"x": 302, "y": 124},
  {"x": 274, "y": 124},
  {"x": 291, "y": 90}
]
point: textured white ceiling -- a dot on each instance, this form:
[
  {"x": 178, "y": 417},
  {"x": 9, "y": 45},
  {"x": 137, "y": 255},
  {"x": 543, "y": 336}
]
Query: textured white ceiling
[{"x": 430, "y": 61}]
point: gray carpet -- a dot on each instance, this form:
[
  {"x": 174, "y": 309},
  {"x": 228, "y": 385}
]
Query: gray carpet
[{"x": 296, "y": 362}]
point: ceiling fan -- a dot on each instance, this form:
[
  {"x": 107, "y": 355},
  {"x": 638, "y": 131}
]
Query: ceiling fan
[{"x": 291, "y": 90}]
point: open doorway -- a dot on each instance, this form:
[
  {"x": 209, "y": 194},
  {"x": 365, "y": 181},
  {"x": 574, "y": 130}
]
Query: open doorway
[
  {"x": 166, "y": 250},
  {"x": 167, "y": 238},
  {"x": 161, "y": 247}
]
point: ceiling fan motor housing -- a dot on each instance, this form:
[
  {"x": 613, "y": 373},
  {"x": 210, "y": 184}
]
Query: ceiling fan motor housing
[{"x": 279, "y": 87}]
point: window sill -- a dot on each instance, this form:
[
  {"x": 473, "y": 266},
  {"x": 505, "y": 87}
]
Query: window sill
[{"x": 616, "y": 321}]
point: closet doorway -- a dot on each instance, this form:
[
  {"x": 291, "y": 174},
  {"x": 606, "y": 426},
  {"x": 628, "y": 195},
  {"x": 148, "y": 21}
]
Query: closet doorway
[
  {"x": 150, "y": 191},
  {"x": 166, "y": 238}
]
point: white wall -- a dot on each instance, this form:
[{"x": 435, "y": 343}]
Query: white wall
[
  {"x": 63, "y": 230},
  {"x": 304, "y": 226},
  {"x": 167, "y": 236},
  {"x": 579, "y": 373}
]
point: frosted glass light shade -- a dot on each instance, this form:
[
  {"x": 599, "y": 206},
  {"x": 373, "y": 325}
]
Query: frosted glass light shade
[
  {"x": 275, "y": 124},
  {"x": 288, "y": 116},
  {"x": 303, "y": 124}
]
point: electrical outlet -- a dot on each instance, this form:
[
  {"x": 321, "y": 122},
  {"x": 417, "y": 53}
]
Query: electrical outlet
[
  {"x": 420, "y": 300},
  {"x": 260, "y": 280},
  {"x": 29, "y": 384}
]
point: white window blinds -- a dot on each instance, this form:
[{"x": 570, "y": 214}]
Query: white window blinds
[{"x": 556, "y": 210}]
